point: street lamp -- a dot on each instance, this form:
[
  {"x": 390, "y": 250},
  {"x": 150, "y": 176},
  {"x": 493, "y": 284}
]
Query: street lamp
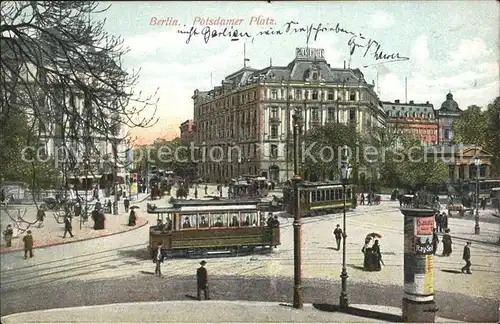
[
  {"x": 344, "y": 177},
  {"x": 86, "y": 168},
  {"x": 477, "y": 162},
  {"x": 298, "y": 300}
]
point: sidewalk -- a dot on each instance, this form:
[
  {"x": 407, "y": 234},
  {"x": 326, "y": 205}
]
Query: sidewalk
[
  {"x": 52, "y": 231},
  {"x": 209, "y": 312}
]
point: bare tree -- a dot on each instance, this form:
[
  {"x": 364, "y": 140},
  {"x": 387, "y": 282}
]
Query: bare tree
[{"x": 60, "y": 67}]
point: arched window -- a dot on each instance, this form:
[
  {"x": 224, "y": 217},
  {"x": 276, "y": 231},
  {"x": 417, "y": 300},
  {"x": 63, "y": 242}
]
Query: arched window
[{"x": 315, "y": 76}]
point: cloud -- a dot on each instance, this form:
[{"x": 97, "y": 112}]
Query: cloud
[
  {"x": 468, "y": 50},
  {"x": 381, "y": 19},
  {"x": 420, "y": 50}
]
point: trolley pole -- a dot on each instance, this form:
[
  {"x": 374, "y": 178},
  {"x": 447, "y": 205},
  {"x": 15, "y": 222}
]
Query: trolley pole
[{"x": 298, "y": 300}]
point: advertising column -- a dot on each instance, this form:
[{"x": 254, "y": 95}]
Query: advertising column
[{"x": 418, "y": 301}]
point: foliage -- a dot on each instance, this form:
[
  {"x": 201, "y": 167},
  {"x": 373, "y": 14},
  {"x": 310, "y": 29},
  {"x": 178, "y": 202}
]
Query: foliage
[
  {"x": 482, "y": 128},
  {"x": 471, "y": 127},
  {"x": 36, "y": 172},
  {"x": 55, "y": 55},
  {"x": 322, "y": 147}
]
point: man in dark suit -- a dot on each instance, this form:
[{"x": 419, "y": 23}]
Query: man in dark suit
[
  {"x": 28, "y": 244},
  {"x": 67, "y": 227},
  {"x": 158, "y": 259},
  {"x": 337, "y": 232},
  {"x": 466, "y": 258},
  {"x": 202, "y": 281}
]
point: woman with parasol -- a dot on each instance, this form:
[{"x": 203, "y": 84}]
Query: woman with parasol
[{"x": 370, "y": 259}]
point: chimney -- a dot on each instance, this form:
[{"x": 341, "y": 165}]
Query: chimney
[
  {"x": 411, "y": 102},
  {"x": 426, "y": 102},
  {"x": 396, "y": 101},
  {"x": 344, "y": 65}
]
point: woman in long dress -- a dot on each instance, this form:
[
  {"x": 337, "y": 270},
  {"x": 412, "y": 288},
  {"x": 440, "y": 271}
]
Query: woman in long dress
[{"x": 447, "y": 243}]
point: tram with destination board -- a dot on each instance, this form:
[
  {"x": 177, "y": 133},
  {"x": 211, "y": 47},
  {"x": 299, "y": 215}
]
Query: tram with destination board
[
  {"x": 203, "y": 227},
  {"x": 318, "y": 198}
]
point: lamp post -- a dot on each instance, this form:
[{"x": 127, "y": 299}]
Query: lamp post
[
  {"x": 298, "y": 300},
  {"x": 86, "y": 168},
  {"x": 477, "y": 162},
  {"x": 344, "y": 176}
]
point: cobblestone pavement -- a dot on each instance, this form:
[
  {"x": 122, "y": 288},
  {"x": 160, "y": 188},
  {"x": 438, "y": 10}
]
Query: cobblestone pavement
[
  {"x": 51, "y": 233},
  {"x": 117, "y": 269}
]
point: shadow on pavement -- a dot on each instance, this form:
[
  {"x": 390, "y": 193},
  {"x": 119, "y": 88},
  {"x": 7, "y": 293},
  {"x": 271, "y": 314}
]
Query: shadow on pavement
[
  {"x": 139, "y": 254},
  {"x": 356, "y": 267},
  {"x": 358, "y": 312},
  {"x": 451, "y": 271},
  {"x": 191, "y": 297}
]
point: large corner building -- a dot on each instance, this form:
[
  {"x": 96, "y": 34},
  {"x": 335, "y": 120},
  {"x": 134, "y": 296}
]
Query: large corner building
[{"x": 244, "y": 126}]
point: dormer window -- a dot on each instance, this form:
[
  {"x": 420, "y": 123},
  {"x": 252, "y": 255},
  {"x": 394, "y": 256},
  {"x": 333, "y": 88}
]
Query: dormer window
[{"x": 315, "y": 76}]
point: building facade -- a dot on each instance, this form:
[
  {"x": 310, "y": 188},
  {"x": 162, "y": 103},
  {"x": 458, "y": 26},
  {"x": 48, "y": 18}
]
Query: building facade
[
  {"x": 187, "y": 131},
  {"x": 446, "y": 115},
  {"x": 460, "y": 161},
  {"x": 417, "y": 119},
  {"x": 244, "y": 126}
]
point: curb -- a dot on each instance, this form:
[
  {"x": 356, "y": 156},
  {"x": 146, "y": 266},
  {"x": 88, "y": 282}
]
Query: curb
[{"x": 78, "y": 240}]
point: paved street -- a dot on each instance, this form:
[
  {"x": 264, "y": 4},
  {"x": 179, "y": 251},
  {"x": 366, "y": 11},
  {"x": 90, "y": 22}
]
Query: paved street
[
  {"x": 117, "y": 269},
  {"x": 51, "y": 233}
]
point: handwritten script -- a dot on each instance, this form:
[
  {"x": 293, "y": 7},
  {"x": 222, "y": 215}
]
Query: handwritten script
[{"x": 368, "y": 47}]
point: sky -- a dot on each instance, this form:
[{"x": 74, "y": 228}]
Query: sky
[{"x": 450, "y": 46}]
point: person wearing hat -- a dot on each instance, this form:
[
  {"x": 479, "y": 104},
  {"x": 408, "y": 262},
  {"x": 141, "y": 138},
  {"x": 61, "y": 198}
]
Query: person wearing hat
[
  {"x": 466, "y": 258},
  {"x": 337, "y": 232},
  {"x": 158, "y": 259},
  {"x": 40, "y": 215},
  {"x": 447, "y": 249},
  {"x": 202, "y": 281},
  {"x": 28, "y": 244}
]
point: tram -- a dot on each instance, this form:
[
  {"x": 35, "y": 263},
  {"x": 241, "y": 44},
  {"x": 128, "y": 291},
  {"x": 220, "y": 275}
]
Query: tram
[
  {"x": 203, "y": 227},
  {"x": 318, "y": 198}
]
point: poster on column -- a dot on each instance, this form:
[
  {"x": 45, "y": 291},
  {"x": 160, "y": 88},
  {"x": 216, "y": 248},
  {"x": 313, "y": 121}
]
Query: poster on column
[
  {"x": 133, "y": 188},
  {"x": 423, "y": 235},
  {"x": 429, "y": 275},
  {"x": 409, "y": 234}
]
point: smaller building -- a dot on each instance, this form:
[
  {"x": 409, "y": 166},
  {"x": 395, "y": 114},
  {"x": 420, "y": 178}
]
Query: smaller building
[
  {"x": 187, "y": 131},
  {"x": 418, "y": 119},
  {"x": 460, "y": 161},
  {"x": 446, "y": 115}
]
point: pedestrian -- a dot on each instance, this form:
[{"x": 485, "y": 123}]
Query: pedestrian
[
  {"x": 202, "y": 281},
  {"x": 377, "y": 256},
  {"x": 67, "y": 227},
  {"x": 369, "y": 196},
  {"x": 40, "y": 215},
  {"x": 28, "y": 244},
  {"x": 337, "y": 232},
  {"x": 435, "y": 241},
  {"x": 7, "y": 235},
  {"x": 439, "y": 220},
  {"x": 466, "y": 258},
  {"x": 132, "y": 218},
  {"x": 483, "y": 203},
  {"x": 158, "y": 259},
  {"x": 444, "y": 222},
  {"x": 447, "y": 249},
  {"x": 362, "y": 198},
  {"x": 126, "y": 203}
]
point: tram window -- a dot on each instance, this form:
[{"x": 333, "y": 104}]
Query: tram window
[
  {"x": 218, "y": 219},
  {"x": 203, "y": 220},
  {"x": 322, "y": 195},
  {"x": 250, "y": 219},
  {"x": 188, "y": 221},
  {"x": 313, "y": 196},
  {"x": 234, "y": 219}
]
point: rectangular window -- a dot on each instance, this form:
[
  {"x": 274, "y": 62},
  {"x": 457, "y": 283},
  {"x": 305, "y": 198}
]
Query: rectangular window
[
  {"x": 275, "y": 112},
  {"x": 298, "y": 94},
  {"x": 352, "y": 96},
  {"x": 274, "y": 131},
  {"x": 330, "y": 95},
  {"x": 274, "y": 94},
  {"x": 203, "y": 220},
  {"x": 315, "y": 114},
  {"x": 352, "y": 115},
  {"x": 331, "y": 114},
  {"x": 218, "y": 219}
]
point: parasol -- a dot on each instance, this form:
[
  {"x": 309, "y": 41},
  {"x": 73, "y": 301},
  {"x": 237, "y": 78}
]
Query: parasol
[
  {"x": 374, "y": 235},
  {"x": 134, "y": 207}
]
